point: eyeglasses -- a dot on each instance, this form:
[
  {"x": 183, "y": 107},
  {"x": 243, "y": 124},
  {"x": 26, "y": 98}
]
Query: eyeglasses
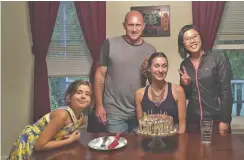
[{"x": 194, "y": 37}]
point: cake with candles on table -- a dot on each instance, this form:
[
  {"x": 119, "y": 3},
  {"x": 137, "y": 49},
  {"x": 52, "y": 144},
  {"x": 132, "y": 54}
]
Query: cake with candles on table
[{"x": 156, "y": 124}]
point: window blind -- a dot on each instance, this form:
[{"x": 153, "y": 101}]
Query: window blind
[
  {"x": 232, "y": 21},
  {"x": 68, "y": 54}
]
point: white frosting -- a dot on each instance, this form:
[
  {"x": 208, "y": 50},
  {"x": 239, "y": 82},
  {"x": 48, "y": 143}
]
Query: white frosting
[{"x": 156, "y": 124}]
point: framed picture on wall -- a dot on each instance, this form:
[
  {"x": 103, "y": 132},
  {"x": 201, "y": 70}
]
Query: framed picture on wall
[{"x": 157, "y": 20}]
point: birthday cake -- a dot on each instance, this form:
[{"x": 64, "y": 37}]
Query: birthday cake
[{"x": 156, "y": 124}]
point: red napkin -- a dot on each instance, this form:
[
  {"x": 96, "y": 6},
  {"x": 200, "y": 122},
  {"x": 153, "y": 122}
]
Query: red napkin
[{"x": 115, "y": 142}]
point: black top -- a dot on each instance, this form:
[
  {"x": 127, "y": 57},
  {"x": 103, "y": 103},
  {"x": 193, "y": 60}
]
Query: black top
[
  {"x": 169, "y": 105},
  {"x": 210, "y": 83}
]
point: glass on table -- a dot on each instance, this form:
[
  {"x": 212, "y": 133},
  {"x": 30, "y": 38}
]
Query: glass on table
[{"x": 206, "y": 126}]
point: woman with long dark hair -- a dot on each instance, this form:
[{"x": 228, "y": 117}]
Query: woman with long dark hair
[{"x": 206, "y": 79}]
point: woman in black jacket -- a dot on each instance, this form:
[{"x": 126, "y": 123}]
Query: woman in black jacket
[{"x": 206, "y": 79}]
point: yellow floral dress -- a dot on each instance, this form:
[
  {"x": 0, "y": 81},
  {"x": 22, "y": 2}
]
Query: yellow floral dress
[{"x": 24, "y": 145}]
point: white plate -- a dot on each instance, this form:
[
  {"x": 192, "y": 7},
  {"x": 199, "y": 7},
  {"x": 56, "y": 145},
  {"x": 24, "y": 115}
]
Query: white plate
[{"x": 96, "y": 143}]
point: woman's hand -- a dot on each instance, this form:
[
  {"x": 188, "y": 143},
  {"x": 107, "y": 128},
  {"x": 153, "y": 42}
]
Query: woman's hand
[
  {"x": 185, "y": 79},
  {"x": 75, "y": 136},
  {"x": 223, "y": 128}
]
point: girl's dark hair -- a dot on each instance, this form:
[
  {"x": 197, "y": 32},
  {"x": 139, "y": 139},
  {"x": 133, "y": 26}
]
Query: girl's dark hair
[
  {"x": 181, "y": 48},
  {"x": 74, "y": 86},
  {"x": 148, "y": 63}
]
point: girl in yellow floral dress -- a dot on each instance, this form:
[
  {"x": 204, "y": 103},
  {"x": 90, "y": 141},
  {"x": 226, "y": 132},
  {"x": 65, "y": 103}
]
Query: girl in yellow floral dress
[{"x": 57, "y": 128}]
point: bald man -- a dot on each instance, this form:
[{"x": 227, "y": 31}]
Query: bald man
[{"x": 118, "y": 75}]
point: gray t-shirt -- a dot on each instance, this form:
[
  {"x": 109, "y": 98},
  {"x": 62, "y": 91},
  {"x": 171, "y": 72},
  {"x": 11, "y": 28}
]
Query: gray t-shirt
[{"x": 123, "y": 76}]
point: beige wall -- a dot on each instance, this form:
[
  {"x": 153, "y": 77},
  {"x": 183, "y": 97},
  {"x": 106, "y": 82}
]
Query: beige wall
[
  {"x": 17, "y": 72},
  {"x": 180, "y": 14}
]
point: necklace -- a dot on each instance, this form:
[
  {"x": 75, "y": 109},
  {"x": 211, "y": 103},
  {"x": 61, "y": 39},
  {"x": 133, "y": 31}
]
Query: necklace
[{"x": 157, "y": 99}]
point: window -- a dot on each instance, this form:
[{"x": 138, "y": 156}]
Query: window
[
  {"x": 230, "y": 42},
  {"x": 68, "y": 57}
]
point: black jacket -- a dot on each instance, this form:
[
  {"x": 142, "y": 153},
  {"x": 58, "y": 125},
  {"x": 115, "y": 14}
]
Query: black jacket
[{"x": 210, "y": 83}]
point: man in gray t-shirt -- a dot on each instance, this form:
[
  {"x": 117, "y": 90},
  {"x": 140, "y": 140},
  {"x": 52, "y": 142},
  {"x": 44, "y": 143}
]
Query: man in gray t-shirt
[{"x": 118, "y": 75}]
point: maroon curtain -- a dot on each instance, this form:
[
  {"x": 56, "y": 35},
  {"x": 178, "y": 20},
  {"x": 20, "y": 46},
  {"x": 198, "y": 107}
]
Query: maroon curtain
[
  {"x": 42, "y": 19},
  {"x": 207, "y": 16},
  {"x": 92, "y": 18}
]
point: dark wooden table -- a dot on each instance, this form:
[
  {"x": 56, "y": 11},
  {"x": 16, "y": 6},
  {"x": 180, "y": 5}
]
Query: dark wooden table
[{"x": 179, "y": 147}]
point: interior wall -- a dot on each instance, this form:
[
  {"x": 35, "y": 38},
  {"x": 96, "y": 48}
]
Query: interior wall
[
  {"x": 17, "y": 72},
  {"x": 180, "y": 14}
]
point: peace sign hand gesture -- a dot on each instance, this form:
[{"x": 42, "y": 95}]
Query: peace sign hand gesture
[{"x": 185, "y": 79}]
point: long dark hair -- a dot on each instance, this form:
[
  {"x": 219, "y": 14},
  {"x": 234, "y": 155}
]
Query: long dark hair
[{"x": 181, "y": 48}]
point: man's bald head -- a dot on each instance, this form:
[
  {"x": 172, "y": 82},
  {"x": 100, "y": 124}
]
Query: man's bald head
[
  {"x": 133, "y": 14},
  {"x": 134, "y": 25}
]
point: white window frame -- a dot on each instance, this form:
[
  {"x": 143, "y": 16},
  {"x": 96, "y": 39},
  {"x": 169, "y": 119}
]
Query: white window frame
[
  {"x": 232, "y": 30},
  {"x": 66, "y": 66},
  {"x": 237, "y": 123},
  {"x": 76, "y": 64}
]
